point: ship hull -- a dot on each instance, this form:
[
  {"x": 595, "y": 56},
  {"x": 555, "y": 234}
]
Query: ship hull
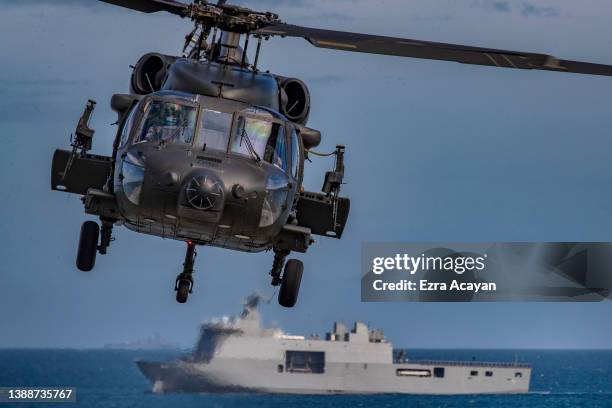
[{"x": 260, "y": 376}]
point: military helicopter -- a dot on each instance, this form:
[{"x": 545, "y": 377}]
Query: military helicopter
[{"x": 210, "y": 150}]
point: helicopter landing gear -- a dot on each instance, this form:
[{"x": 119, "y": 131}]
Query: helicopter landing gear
[
  {"x": 277, "y": 266},
  {"x": 88, "y": 246},
  {"x": 290, "y": 285},
  {"x": 106, "y": 235},
  {"x": 290, "y": 280},
  {"x": 88, "y": 243},
  {"x": 184, "y": 281}
]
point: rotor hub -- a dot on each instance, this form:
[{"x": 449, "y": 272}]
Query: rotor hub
[{"x": 230, "y": 18}]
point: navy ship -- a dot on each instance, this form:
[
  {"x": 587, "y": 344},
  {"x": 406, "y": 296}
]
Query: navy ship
[{"x": 239, "y": 355}]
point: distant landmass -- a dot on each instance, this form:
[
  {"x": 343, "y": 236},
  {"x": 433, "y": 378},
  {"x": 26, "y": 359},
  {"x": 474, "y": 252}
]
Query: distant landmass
[{"x": 154, "y": 342}]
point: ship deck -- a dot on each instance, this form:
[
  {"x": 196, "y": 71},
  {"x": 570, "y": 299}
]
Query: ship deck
[{"x": 463, "y": 363}]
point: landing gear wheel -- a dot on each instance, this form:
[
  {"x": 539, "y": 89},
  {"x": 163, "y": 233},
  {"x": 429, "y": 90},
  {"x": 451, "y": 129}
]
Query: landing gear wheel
[
  {"x": 182, "y": 290},
  {"x": 88, "y": 246},
  {"x": 290, "y": 286}
]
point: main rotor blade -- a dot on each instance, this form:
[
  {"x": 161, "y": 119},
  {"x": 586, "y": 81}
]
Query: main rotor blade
[
  {"x": 403, "y": 47},
  {"x": 152, "y": 6}
]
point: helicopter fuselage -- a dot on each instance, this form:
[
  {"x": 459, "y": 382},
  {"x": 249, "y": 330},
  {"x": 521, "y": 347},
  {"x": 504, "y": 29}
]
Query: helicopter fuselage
[{"x": 221, "y": 195}]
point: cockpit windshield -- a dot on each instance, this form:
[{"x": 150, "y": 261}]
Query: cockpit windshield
[
  {"x": 167, "y": 121},
  {"x": 266, "y": 136},
  {"x": 214, "y": 130}
]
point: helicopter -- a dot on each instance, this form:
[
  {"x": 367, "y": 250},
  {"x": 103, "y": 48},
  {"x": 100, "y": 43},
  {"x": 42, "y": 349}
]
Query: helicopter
[{"x": 210, "y": 150}]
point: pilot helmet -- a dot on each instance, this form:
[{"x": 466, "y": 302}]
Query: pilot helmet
[{"x": 170, "y": 114}]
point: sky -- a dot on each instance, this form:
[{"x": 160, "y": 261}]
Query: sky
[{"x": 435, "y": 152}]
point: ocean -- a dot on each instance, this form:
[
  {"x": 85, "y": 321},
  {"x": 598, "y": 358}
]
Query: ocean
[{"x": 110, "y": 379}]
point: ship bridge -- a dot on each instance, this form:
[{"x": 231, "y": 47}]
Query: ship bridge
[{"x": 360, "y": 334}]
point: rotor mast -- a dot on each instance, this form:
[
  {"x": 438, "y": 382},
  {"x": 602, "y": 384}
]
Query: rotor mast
[
  {"x": 234, "y": 23},
  {"x": 230, "y": 51}
]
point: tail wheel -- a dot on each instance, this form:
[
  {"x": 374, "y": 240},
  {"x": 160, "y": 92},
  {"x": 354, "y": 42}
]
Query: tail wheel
[
  {"x": 88, "y": 246},
  {"x": 290, "y": 286}
]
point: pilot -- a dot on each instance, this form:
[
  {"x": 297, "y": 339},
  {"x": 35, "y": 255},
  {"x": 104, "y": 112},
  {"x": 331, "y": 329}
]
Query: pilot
[
  {"x": 170, "y": 125},
  {"x": 275, "y": 148},
  {"x": 271, "y": 155}
]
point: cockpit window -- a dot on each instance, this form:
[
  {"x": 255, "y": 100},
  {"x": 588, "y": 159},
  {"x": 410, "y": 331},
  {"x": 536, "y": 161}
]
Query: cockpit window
[
  {"x": 295, "y": 154},
  {"x": 257, "y": 130},
  {"x": 275, "y": 151},
  {"x": 127, "y": 126},
  {"x": 215, "y": 130},
  {"x": 168, "y": 122},
  {"x": 267, "y": 138}
]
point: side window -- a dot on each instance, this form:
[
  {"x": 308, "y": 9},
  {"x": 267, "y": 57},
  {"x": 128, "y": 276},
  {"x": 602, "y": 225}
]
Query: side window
[
  {"x": 276, "y": 148},
  {"x": 215, "y": 130},
  {"x": 295, "y": 154},
  {"x": 127, "y": 127}
]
